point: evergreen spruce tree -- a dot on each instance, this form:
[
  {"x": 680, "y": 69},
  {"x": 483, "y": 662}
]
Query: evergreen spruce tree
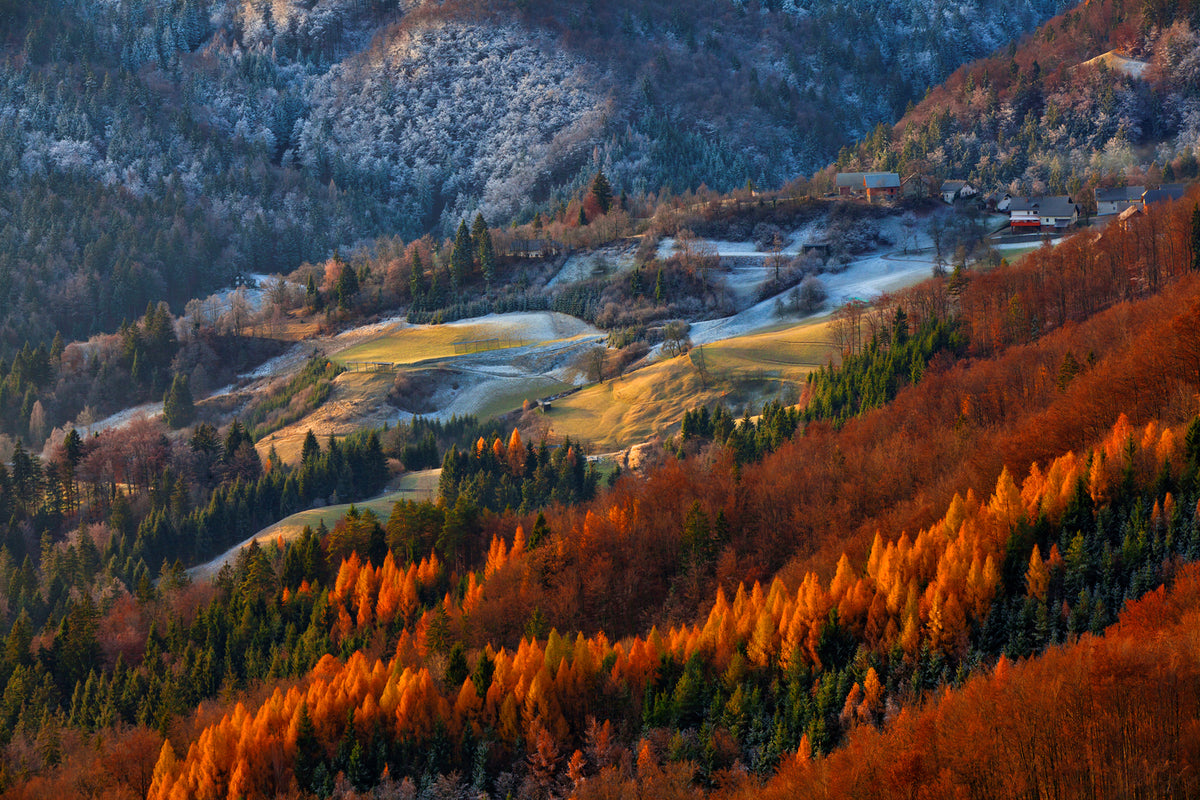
[
  {"x": 416, "y": 279},
  {"x": 234, "y": 439},
  {"x": 311, "y": 449},
  {"x": 178, "y": 408},
  {"x": 478, "y": 229},
  {"x": 460, "y": 256},
  {"x": 484, "y": 250},
  {"x": 273, "y": 460},
  {"x": 347, "y": 284},
  {"x": 457, "y": 668},
  {"x": 487, "y": 259},
  {"x": 137, "y": 374},
  {"x": 602, "y": 191},
  {"x": 313, "y": 295},
  {"x": 540, "y": 532},
  {"x": 308, "y": 751},
  {"x": 435, "y": 292},
  {"x": 900, "y": 328},
  {"x": 73, "y": 447}
]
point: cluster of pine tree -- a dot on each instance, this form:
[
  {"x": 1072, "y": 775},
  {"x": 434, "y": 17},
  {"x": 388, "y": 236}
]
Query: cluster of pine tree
[
  {"x": 473, "y": 258},
  {"x": 32, "y": 400},
  {"x": 162, "y": 526},
  {"x": 421, "y": 442},
  {"x": 748, "y": 439},
  {"x": 516, "y": 475},
  {"x": 770, "y": 672},
  {"x": 871, "y": 377}
]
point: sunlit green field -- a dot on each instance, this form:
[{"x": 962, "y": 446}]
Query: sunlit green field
[
  {"x": 744, "y": 370},
  {"x": 421, "y": 343}
]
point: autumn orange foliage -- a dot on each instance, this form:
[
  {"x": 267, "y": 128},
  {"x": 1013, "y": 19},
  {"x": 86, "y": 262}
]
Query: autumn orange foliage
[
  {"x": 1106, "y": 717},
  {"x": 924, "y": 589}
]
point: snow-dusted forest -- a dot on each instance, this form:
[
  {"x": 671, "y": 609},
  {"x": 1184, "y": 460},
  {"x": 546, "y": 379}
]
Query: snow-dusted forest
[
  {"x": 157, "y": 148},
  {"x": 1058, "y": 118}
]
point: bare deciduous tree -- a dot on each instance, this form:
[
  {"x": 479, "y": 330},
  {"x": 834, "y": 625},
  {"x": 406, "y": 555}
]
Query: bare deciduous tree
[
  {"x": 675, "y": 338},
  {"x": 847, "y": 326},
  {"x": 235, "y": 319}
]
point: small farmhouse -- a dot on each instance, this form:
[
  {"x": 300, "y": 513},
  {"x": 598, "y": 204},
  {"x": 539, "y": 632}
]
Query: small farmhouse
[
  {"x": 953, "y": 190},
  {"x": 1114, "y": 201},
  {"x": 1125, "y": 217},
  {"x": 997, "y": 200},
  {"x": 881, "y": 185},
  {"x": 1058, "y": 212},
  {"x": 872, "y": 185},
  {"x": 850, "y": 184},
  {"x": 1165, "y": 193}
]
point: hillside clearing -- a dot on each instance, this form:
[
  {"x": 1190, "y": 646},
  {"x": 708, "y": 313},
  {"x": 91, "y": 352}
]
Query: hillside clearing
[
  {"x": 746, "y": 370},
  {"x": 413, "y": 486},
  {"x": 746, "y": 359},
  {"x": 398, "y": 342}
]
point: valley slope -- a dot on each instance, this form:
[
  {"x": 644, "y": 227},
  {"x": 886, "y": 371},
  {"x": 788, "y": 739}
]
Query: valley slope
[
  {"x": 907, "y": 518},
  {"x": 157, "y": 151}
]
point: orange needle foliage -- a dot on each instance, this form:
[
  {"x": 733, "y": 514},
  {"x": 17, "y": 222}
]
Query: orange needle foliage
[
  {"x": 925, "y": 589},
  {"x": 1107, "y": 717}
]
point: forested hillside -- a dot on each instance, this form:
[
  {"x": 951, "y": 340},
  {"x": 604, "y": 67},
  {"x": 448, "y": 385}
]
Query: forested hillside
[
  {"x": 154, "y": 151},
  {"x": 1039, "y": 120},
  {"x": 684, "y": 633},
  {"x": 963, "y": 564}
]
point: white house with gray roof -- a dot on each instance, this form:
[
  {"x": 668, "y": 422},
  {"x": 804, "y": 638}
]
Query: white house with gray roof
[
  {"x": 953, "y": 190},
  {"x": 1058, "y": 212},
  {"x": 1114, "y": 201}
]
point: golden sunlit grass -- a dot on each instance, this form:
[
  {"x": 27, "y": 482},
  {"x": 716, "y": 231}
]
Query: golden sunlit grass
[
  {"x": 790, "y": 352},
  {"x": 410, "y": 345},
  {"x": 652, "y": 400},
  {"x": 510, "y": 395},
  {"x": 745, "y": 370},
  {"x": 357, "y": 398},
  {"x": 296, "y": 325},
  {"x": 617, "y": 413}
]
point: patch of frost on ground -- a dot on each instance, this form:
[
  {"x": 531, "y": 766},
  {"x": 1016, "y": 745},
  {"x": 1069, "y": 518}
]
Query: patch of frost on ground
[
  {"x": 606, "y": 261},
  {"x": 121, "y": 419},
  {"x": 864, "y": 279},
  {"x": 534, "y": 325}
]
